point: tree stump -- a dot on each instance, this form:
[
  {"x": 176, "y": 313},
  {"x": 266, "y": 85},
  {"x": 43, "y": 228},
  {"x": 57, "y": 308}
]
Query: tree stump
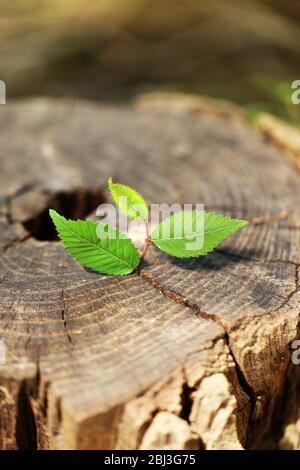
[{"x": 192, "y": 354}]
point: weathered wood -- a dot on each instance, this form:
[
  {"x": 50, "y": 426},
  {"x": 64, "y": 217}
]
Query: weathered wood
[
  {"x": 191, "y": 354},
  {"x": 284, "y": 135}
]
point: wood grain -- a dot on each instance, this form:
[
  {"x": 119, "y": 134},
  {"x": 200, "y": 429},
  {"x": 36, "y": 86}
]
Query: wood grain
[{"x": 190, "y": 354}]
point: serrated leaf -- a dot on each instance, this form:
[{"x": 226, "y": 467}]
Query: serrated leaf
[
  {"x": 189, "y": 234},
  {"x": 128, "y": 200},
  {"x": 115, "y": 255}
]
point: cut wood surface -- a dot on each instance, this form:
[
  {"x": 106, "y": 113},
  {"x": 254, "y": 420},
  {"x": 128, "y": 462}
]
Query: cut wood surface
[{"x": 190, "y": 354}]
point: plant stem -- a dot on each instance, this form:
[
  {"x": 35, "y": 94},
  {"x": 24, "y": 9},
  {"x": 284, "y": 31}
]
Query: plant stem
[{"x": 148, "y": 243}]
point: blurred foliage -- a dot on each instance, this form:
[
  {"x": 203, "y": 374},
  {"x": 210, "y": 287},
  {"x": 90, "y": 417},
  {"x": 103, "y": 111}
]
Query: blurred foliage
[
  {"x": 243, "y": 50},
  {"x": 277, "y": 100}
]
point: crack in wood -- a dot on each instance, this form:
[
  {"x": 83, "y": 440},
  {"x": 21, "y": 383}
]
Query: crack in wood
[
  {"x": 245, "y": 386},
  {"x": 174, "y": 296},
  {"x": 63, "y": 316},
  {"x": 186, "y": 401},
  {"x": 254, "y": 398},
  {"x": 26, "y": 431},
  {"x": 292, "y": 293}
]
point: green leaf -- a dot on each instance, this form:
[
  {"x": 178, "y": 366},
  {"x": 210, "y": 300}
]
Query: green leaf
[
  {"x": 128, "y": 200},
  {"x": 192, "y": 233},
  {"x": 116, "y": 255}
]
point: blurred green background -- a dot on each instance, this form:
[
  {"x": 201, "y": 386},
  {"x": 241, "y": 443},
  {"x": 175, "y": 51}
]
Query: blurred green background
[{"x": 247, "y": 51}]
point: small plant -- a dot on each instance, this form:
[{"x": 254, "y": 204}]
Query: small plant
[{"x": 184, "y": 234}]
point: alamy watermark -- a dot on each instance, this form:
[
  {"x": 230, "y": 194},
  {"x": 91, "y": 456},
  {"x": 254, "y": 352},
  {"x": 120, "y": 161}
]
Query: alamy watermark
[
  {"x": 296, "y": 94},
  {"x": 296, "y": 352},
  {"x": 189, "y": 225},
  {"x": 2, "y": 92}
]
